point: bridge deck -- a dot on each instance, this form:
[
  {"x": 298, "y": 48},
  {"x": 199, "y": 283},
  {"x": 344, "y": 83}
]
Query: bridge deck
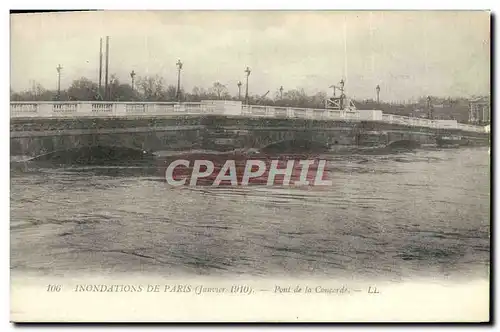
[{"x": 72, "y": 109}]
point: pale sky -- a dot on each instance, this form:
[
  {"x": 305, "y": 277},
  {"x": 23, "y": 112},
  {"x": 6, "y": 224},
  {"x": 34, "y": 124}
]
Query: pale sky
[{"x": 409, "y": 54}]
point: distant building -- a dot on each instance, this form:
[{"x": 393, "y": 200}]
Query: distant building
[{"x": 480, "y": 111}]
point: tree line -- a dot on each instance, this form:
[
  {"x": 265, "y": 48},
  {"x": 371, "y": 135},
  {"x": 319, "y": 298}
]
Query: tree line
[{"x": 153, "y": 88}]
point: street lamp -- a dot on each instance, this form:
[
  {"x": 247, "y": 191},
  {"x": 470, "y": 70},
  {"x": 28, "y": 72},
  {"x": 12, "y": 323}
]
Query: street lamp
[
  {"x": 342, "y": 95},
  {"x": 429, "y": 108},
  {"x": 58, "y": 68},
  {"x": 239, "y": 89},
  {"x": 132, "y": 76},
  {"x": 179, "y": 68},
  {"x": 247, "y": 71},
  {"x": 281, "y": 92},
  {"x": 377, "y": 88},
  {"x": 111, "y": 84}
]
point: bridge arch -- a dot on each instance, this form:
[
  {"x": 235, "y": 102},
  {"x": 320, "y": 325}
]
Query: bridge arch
[
  {"x": 407, "y": 144},
  {"x": 295, "y": 137},
  {"x": 32, "y": 147},
  {"x": 94, "y": 154},
  {"x": 296, "y": 145}
]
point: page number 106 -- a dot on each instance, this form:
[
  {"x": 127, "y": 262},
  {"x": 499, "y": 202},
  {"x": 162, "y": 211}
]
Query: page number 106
[{"x": 53, "y": 288}]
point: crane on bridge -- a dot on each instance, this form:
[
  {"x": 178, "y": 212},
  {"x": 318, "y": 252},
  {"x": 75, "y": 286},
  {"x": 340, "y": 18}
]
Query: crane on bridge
[
  {"x": 341, "y": 102},
  {"x": 261, "y": 98}
]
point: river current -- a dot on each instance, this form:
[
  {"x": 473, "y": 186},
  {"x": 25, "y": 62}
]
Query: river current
[{"x": 421, "y": 213}]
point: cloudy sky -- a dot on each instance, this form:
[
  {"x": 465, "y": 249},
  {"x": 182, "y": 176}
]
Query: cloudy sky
[{"x": 409, "y": 54}]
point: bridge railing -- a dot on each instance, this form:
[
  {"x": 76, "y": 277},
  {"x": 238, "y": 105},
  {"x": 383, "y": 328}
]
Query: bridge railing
[
  {"x": 478, "y": 129},
  {"x": 123, "y": 109},
  {"x": 296, "y": 112},
  {"x": 92, "y": 109}
]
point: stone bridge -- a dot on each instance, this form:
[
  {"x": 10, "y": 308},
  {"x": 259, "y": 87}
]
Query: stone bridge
[{"x": 42, "y": 127}]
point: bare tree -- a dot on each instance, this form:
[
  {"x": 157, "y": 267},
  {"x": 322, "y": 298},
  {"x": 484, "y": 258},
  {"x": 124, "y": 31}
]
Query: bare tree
[
  {"x": 119, "y": 91},
  {"x": 83, "y": 89},
  {"x": 171, "y": 93},
  {"x": 152, "y": 88},
  {"x": 219, "y": 90}
]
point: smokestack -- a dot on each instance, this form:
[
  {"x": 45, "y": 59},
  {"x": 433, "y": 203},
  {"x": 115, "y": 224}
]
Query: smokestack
[
  {"x": 100, "y": 66},
  {"x": 107, "y": 67}
]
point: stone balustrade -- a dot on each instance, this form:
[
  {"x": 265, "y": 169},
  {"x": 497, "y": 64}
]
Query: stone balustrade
[{"x": 40, "y": 109}]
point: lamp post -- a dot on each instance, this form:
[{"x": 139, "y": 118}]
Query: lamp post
[
  {"x": 377, "y": 88},
  {"x": 239, "y": 89},
  {"x": 111, "y": 84},
  {"x": 179, "y": 68},
  {"x": 342, "y": 95},
  {"x": 281, "y": 92},
  {"x": 132, "y": 76},
  {"x": 429, "y": 108},
  {"x": 59, "y": 68},
  {"x": 247, "y": 71}
]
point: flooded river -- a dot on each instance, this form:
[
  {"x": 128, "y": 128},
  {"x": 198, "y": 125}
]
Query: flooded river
[{"x": 398, "y": 216}]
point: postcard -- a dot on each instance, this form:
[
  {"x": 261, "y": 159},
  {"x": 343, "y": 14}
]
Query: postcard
[{"x": 250, "y": 166}]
